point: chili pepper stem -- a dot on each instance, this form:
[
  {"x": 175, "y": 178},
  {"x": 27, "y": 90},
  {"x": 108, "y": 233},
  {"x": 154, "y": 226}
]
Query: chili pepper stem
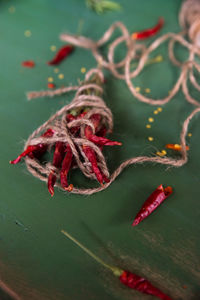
[{"x": 116, "y": 271}]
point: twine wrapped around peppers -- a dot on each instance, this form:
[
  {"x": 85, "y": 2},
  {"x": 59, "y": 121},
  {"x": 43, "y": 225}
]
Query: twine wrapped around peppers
[
  {"x": 94, "y": 104},
  {"x": 88, "y": 98},
  {"x": 77, "y": 144}
]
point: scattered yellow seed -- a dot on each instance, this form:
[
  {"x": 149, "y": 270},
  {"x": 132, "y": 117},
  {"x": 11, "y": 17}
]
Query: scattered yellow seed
[
  {"x": 147, "y": 90},
  {"x": 159, "y": 153},
  {"x": 189, "y": 134},
  {"x": 159, "y": 109},
  {"x": 150, "y": 138},
  {"x": 27, "y": 33},
  {"x": 61, "y": 76},
  {"x": 56, "y": 70},
  {"x": 137, "y": 89},
  {"x": 164, "y": 152},
  {"x": 83, "y": 70},
  {"x": 53, "y": 48},
  {"x": 148, "y": 126},
  {"x": 155, "y": 112},
  {"x": 50, "y": 79},
  {"x": 159, "y": 58},
  {"x": 151, "y": 120},
  {"x": 11, "y": 9}
]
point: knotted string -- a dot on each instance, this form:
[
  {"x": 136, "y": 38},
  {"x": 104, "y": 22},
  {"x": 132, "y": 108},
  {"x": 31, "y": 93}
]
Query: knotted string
[
  {"x": 122, "y": 69},
  {"x": 189, "y": 20}
]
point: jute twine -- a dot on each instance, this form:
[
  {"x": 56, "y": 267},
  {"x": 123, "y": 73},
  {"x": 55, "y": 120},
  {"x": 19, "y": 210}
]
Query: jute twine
[
  {"x": 189, "y": 20},
  {"x": 96, "y": 104}
]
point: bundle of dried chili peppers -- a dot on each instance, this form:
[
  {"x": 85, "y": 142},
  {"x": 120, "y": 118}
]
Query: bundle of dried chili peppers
[
  {"x": 127, "y": 278},
  {"x": 76, "y": 134}
]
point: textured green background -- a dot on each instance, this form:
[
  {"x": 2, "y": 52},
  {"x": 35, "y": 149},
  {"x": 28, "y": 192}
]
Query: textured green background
[{"x": 36, "y": 261}]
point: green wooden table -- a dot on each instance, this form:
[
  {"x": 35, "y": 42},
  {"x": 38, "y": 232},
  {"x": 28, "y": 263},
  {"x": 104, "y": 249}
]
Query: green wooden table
[{"x": 36, "y": 261}]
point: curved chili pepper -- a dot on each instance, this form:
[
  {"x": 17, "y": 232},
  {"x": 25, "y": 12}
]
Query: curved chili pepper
[
  {"x": 102, "y": 141},
  {"x": 66, "y": 164},
  {"x": 142, "y": 285},
  {"x": 154, "y": 200},
  {"x": 34, "y": 151},
  {"x": 57, "y": 161},
  {"x": 61, "y": 54},
  {"x": 127, "y": 278},
  {"x": 175, "y": 147},
  {"x": 99, "y": 140},
  {"x": 90, "y": 154},
  {"x": 140, "y": 35}
]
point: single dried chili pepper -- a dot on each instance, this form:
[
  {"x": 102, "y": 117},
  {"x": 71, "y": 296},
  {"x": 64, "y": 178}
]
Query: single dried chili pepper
[
  {"x": 153, "y": 201},
  {"x": 28, "y": 64},
  {"x": 34, "y": 151},
  {"x": 129, "y": 279},
  {"x": 142, "y": 285},
  {"x": 30, "y": 150},
  {"x": 90, "y": 154},
  {"x": 99, "y": 140},
  {"x": 66, "y": 164},
  {"x": 57, "y": 161},
  {"x": 61, "y": 55},
  {"x": 175, "y": 147},
  {"x": 140, "y": 35}
]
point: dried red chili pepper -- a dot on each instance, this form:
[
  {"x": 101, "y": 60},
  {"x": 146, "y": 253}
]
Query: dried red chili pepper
[
  {"x": 175, "y": 147},
  {"x": 129, "y": 279},
  {"x": 66, "y": 164},
  {"x": 154, "y": 200},
  {"x": 28, "y": 64},
  {"x": 99, "y": 140},
  {"x": 57, "y": 161},
  {"x": 30, "y": 150},
  {"x": 90, "y": 154},
  {"x": 142, "y": 285},
  {"x": 34, "y": 151},
  {"x": 140, "y": 35},
  {"x": 61, "y": 54}
]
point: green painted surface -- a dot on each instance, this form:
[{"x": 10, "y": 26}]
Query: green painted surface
[{"x": 36, "y": 261}]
